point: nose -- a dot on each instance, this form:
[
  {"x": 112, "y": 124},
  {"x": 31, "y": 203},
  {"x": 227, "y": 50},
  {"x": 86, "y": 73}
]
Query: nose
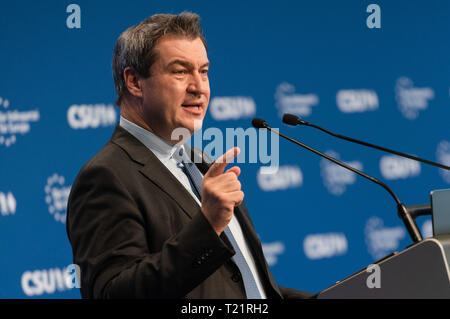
[{"x": 198, "y": 84}]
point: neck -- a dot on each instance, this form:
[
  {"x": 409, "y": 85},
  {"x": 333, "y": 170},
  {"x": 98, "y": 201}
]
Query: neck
[{"x": 134, "y": 114}]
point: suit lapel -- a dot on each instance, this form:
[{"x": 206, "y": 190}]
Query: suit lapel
[
  {"x": 161, "y": 176},
  {"x": 154, "y": 170}
]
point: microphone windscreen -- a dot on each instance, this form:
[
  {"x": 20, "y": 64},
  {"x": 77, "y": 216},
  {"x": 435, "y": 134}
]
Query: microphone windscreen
[
  {"x": 291, "y": 119},
  {"x": 259, "y": 123}
]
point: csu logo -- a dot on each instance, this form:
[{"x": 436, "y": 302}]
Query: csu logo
[
  {"x": 288, "y": 176},
  {"x": 232, "y": 108},
  {"x": 395, "y": 167},
  {"x": 86, "y": 116},
  {"x": 352, "y": 101},
  {"x": 49, "y": 281},
  {"x": 7, "y": 204},
  {"x": 318, "y": 246}
]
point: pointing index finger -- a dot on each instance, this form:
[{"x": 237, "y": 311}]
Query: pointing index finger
[{"x": 219, "y": 165}]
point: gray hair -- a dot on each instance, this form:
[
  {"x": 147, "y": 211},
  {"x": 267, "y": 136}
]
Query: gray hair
[{"x": 135, "y": 46}]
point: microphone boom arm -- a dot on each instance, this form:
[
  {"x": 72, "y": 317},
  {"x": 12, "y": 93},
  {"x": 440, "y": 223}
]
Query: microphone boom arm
[
  {"x": 293, "y": 118},
  {"x": 403, "y": 212}
]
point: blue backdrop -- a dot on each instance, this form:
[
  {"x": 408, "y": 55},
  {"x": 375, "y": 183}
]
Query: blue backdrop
[{"x": 382, "y": 76}]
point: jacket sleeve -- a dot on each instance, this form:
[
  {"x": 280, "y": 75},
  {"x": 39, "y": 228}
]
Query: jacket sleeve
[{"x": 108, "y": 234}]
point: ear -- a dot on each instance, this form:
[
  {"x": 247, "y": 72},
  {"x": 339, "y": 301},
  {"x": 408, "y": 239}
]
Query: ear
[{"x": 131, "y": 78}]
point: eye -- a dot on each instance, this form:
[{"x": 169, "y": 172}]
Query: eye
[{"x": 179, "y": 72}]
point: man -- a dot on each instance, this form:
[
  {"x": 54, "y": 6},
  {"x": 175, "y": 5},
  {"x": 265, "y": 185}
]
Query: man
[{"x": 143, "y": 220}]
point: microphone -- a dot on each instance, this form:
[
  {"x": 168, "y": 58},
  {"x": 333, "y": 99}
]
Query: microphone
[
  {"x": 294, "y": 120},
  {"x": 259, "y": 123},
  {"x": 403, "y": 212}
]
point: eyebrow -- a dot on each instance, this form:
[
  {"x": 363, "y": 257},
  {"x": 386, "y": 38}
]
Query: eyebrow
[{"x": 186, "y": 64}]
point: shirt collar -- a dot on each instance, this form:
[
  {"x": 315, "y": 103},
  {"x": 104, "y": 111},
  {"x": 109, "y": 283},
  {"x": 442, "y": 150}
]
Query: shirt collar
[{"x": 162, "y": 149}]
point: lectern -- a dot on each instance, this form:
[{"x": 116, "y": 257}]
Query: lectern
[{"x": 420, "y": 271}]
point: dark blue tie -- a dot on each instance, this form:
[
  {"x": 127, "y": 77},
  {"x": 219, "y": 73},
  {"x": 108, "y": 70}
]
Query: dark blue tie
[{"x": 195, "y": 178}]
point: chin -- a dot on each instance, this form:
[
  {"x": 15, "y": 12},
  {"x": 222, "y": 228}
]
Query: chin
[{"x": 194, "y": 125}]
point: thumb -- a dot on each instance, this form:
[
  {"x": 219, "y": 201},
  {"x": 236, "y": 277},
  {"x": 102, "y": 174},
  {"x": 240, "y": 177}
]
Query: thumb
[{"x": 235, "y": 169}]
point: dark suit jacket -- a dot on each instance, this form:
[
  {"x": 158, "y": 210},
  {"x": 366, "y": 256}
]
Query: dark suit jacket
[{"x": 137, "y": 233}]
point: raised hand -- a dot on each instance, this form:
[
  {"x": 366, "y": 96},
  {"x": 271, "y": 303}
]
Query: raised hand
[{"x": 221, "y": 191}]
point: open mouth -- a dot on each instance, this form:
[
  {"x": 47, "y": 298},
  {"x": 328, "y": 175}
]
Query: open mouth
[{"x": 195, "y": 108}]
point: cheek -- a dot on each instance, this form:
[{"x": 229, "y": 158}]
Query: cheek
[{"x": 171, "y": 99}]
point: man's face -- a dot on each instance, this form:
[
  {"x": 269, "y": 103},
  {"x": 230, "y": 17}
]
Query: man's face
[{"x": 176, "y": 94}]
